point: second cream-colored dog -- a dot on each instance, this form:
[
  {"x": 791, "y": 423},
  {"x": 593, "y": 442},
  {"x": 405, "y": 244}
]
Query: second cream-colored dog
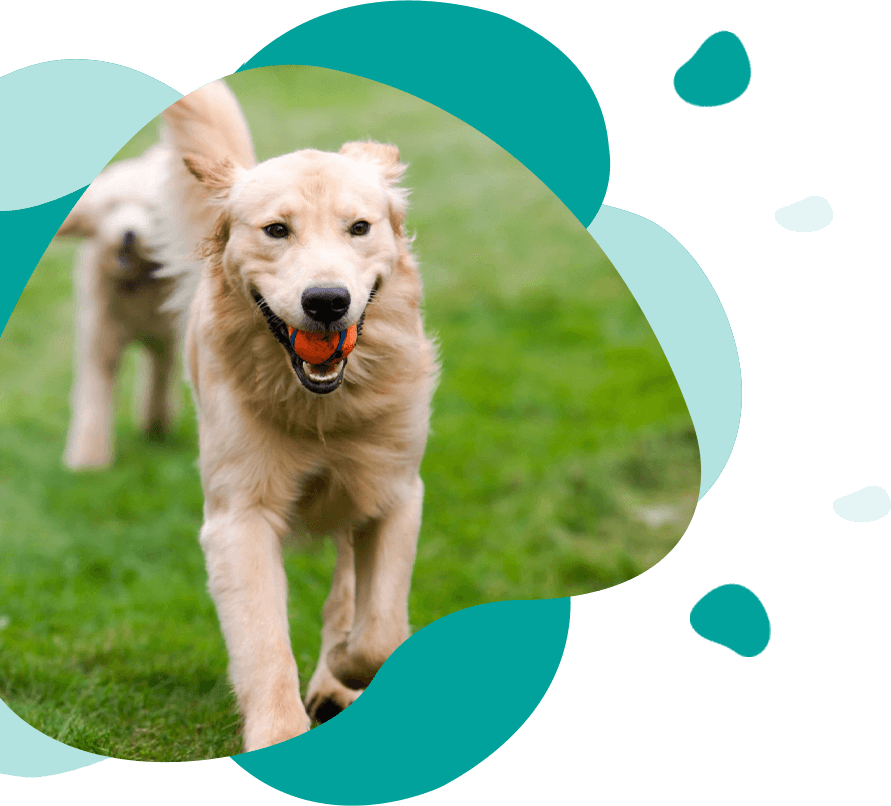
[
  {"x": 119, "y": 299},
  {"x": 315, "y": 241}
]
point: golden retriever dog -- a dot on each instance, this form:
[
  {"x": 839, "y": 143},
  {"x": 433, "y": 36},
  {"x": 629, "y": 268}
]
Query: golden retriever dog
[
  {"x": 313, "y": 241},
  {"x": 119, "y": 299}
]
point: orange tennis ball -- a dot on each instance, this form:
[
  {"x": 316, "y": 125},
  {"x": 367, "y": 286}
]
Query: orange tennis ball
[{"x": 317, "y": 348}]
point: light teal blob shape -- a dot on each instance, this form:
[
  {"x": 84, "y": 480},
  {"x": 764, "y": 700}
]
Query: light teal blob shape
[
  {"x": 25, "y": 235},
  {"x": 734, "y": 617},
  {"x": 718, "y": 73},
  {"x": 868, "y": 504},
  {"x": 64, "y": 120},
  {"x": 445, "y": 700},
  {"x": 26, "y": 752},
  {"x": 807, "y": 215},
  {"x": 689, "y": 321},
  {"x": 505, "y": 80}
]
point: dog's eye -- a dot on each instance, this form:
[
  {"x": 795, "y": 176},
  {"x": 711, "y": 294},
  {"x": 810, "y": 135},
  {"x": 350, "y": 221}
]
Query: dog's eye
[
  {"x": 276, "y": 231},
  {"x": 360, "y": 228}
]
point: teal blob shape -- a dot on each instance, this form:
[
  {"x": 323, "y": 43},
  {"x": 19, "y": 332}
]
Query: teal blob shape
[
  {"x": 491, "y": 72},
  {"x": 868, "y": 504},
  {"x": 718, "y": 73},
  {"x": 734, "y": 617},
  {"x": 65, "y": 120},
  {"x": 445, "y": 700},
  {"x": 807, "y": 215},
  {"x": 25, "y": 235}
]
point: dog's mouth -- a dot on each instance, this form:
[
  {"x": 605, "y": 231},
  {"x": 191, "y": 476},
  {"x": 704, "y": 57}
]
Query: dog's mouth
[
  {"x": 135, "y": 270},
  {"x": 320, "y": 379}
]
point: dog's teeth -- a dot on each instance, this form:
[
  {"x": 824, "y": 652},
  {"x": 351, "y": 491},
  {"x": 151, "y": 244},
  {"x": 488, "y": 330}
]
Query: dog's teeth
[{"x": 320, "y": 377}]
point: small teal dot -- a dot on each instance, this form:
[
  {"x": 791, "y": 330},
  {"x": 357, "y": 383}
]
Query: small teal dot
[
  {"x": 732, "y": 616},
  {"x": 868, "y": 504},
  {"x": 718, "y": 73},
  {"x": 807, "y": 215}
]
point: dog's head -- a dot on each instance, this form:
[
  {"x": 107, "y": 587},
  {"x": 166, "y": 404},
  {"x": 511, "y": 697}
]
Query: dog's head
[
  {"x": 309, "y": 237},
  {"x": 115, "y": 211}
]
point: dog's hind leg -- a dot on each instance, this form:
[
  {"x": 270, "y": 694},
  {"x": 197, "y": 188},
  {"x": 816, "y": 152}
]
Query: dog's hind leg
[
  {"x": 385, "y": 555},
  {"x": 98, "y": 345},
  {"x": 158, "y": 403},
  {"x": 327, "y": 696}
]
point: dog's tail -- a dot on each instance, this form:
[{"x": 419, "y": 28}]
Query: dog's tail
[{"x": 207, "y": 128}]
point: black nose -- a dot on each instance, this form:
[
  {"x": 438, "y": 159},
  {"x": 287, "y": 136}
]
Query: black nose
[
  {"x": 325, "y": 304},
  {"x": 129, "y": 239}
]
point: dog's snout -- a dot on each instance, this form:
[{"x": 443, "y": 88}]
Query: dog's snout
[
  {"x": 129, "y": 239},
  {"x": 325, "y": 304}
]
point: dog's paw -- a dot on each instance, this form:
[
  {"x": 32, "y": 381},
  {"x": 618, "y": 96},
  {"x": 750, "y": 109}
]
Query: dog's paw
[
  {"x": 327, "y": 697},
  {"x": 258, "y": 735}
]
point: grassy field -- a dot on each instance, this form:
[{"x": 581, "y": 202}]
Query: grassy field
[{"x": 562, "y": 458}]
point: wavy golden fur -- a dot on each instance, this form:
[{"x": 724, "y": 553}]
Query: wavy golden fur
[{"x": 274, "y": 455}]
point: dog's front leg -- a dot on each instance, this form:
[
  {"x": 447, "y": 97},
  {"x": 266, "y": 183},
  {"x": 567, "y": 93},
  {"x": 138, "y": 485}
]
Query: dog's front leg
[
  {"x": 98, "y": 345},
  {"x": 248, "y": 584},
  {"x": 385, "y": 555}
]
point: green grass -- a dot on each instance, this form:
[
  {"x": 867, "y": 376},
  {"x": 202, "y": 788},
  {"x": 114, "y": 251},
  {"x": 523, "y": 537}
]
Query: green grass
[{"x": 557, "y": 429}]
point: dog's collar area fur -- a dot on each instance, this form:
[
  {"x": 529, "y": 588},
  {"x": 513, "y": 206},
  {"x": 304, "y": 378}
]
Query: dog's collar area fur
[{"x": 280, "y": 330}]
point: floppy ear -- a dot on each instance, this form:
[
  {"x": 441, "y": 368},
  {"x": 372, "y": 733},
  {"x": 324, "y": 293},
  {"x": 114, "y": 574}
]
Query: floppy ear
[
  {"x": 81, "y": 221},
  {"x": 386, "y": 158},
  {"x": 214, "y": 244},
  {"x": 218, "y": 177}
]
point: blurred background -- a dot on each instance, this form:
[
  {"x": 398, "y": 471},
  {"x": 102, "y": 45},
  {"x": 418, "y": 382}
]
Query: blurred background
[{"x": 562, "y": 458}]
